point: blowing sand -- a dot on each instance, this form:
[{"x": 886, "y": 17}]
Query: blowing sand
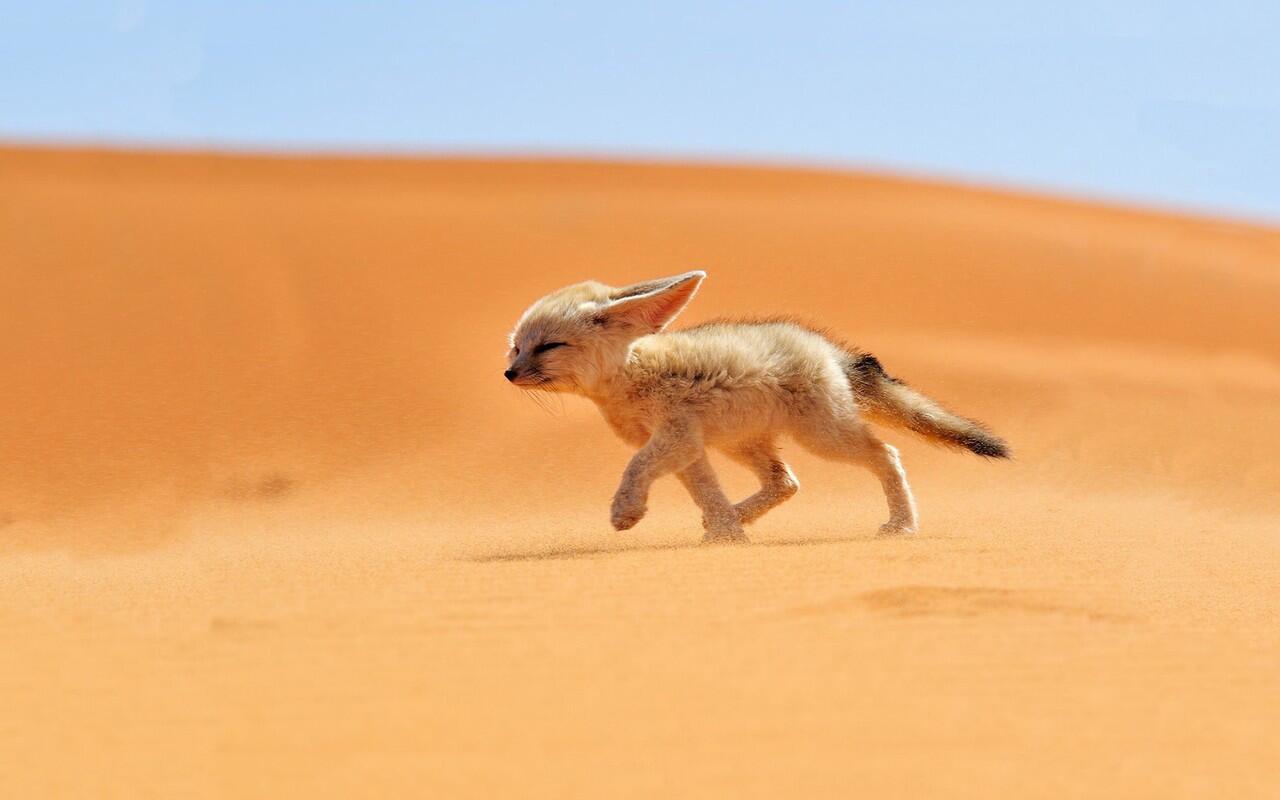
[{"x": 272, "y": 524}]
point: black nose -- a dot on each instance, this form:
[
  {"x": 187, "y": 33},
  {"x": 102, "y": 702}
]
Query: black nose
[{"x": 510, "y": 374}]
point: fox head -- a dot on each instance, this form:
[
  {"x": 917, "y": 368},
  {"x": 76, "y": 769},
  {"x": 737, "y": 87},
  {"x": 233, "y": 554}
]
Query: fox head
[{"x": 575, "y": 338}]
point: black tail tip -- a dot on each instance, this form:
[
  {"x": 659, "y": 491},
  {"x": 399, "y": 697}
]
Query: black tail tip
[{"x": 987, "y": 448}]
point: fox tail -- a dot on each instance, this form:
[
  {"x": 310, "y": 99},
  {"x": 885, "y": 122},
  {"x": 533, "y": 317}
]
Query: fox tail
[{"x": 889, "y": 401}]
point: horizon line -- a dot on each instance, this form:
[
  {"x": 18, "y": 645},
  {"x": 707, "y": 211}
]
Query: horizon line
[{"x": 942, "y": 178}]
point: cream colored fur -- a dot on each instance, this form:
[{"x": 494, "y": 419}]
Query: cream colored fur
[{"x": 734, "y": 387}]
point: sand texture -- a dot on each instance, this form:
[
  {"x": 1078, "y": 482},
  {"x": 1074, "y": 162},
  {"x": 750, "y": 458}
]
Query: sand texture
[{"x": 273, "y": 525}]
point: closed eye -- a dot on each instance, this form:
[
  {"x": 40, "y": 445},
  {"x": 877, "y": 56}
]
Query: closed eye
[{"x": 545, "y": 346}]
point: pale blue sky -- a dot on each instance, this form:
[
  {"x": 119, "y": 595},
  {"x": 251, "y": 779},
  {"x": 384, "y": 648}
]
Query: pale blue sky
[{"x": 1168, "y": 103}]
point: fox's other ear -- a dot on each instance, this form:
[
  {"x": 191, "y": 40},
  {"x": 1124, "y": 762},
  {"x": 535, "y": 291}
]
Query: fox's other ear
[{"x": 652, "y": 304}]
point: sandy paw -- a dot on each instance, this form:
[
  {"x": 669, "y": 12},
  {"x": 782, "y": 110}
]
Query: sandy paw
[
  {"x": 724, "y": 535},
  {"x": 626, "y": 514},
  {"x": 725, "y": 538},
  {"x": 892, "y": 528}
]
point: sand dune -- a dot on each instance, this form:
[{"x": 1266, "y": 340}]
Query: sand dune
[{"x": 272, "y": 524}]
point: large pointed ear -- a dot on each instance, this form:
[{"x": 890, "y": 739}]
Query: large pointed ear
[{"x": 653, "y": 304}]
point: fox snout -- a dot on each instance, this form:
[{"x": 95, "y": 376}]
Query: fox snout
[
  {"x": 524, "y": 375},
  {"x": 514, "y": 375}
]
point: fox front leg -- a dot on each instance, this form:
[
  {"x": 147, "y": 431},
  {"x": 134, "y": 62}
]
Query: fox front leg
[
  {"x": 672, "y": 447},
  {"x": 719, "y": 517}
]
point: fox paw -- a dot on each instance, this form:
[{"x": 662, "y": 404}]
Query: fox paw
[
  {"x": 733, "y": 535},
  {"x": 722, "y": 528},
  {"x": 626, "y": 513},
  {"x": 894, "y": 528}
]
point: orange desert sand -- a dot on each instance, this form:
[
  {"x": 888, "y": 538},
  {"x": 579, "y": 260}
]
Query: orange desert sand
[{"x": 272, "y": 523}]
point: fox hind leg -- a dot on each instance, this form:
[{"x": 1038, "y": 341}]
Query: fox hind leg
[
  {"x": 850, "y": 440},
  {"x": 777, "y": 482},
  {"x": 883, "y": 460}
]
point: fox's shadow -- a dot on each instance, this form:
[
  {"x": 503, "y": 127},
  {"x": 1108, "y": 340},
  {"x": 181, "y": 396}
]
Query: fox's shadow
[{"x": 593, "y": 551}]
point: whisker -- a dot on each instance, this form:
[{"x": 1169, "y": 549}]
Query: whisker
[
  {"x": 554, "y": 403},
  {"x": 536, "y": 397},
  {"x": 542, "y": 396},
  {"x": 533, "y": 398},
  {"x": 538, "y": 401}
]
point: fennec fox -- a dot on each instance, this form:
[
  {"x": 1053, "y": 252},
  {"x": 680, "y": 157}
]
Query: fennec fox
[{"x": 731, "y": 385}]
